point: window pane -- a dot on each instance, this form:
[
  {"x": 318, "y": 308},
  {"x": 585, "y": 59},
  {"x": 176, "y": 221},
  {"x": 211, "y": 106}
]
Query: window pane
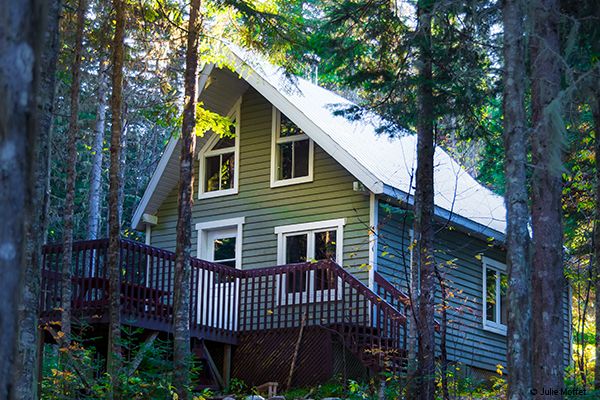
[
  {"x": 503, "y": 299},
  {"x": 284, "y": 162},
  {"x": 224, "y": 142},
  {"x": 301, "y": 158},
  {"x": 227, "y": 176},
  {"x": 212, "y": 167},
  {"x": 490, "y": 298},
  {"x": 295, "y": 248},
  {"x": 288, "y": 128},
  {"x": 325, "y": 245},
  {"x": 224, "y": 249}
]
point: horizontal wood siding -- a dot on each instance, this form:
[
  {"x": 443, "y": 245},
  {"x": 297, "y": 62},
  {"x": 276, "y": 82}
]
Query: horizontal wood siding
[
  {"x": 458, "y": 256},
  {"x": 329, "y": 196}
]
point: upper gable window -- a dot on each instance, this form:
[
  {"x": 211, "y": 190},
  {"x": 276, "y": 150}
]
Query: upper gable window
[
  {"x": 219, "y": 161},
  {"x": 291, "y": 153}
]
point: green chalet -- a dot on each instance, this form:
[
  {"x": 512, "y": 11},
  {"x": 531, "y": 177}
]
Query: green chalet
[{"x": 302, "y": 242}]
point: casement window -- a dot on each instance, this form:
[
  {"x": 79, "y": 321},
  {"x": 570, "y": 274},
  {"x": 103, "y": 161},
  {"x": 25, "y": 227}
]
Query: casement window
[
  {"x": 495, "y": 286},
  {"x": 292, "y": 152},
  {"x": 219, "y": 161},
  {"x": 316, "y": 241}
]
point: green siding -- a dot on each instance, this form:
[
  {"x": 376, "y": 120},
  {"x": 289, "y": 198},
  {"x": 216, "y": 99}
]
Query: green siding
[
  {"x": 329, "y": 196},
  {"x": 467, "y": 341}
]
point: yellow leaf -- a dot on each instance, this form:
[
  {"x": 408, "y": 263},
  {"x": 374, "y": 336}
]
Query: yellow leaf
[{"x": 499, "y": 369}]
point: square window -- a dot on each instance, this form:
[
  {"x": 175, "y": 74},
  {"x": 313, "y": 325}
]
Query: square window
[
  {"x": 300, "y": 247},
  {"x": 292, "y": 153}
]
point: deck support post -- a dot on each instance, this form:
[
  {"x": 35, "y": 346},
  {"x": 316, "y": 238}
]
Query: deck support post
[
  {"x": 40, "y": 360},
  {"x": 226, "y": 364}
]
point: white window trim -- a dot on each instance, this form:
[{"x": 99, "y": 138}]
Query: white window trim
[
  {"x": 207, "y": 151},
  {"x": 204, "y": 227},
  {"x": 275, "y": 140},
  {"x": 500, "y": 268},
  {"x": 373, "y": 237},
  {"x": 309, "y": 228}
]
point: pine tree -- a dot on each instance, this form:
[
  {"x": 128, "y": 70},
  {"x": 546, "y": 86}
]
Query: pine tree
[
  {"x": 181, "y": 318},
  {"x": 518, "y": 257},
  {"x": 114, "y": 223},
  {"x": 72, "y": 135},
  {"x": 548, "y": 282},
  {"x": 25, "y": 374},
  {"x": 22, "y": 40}
]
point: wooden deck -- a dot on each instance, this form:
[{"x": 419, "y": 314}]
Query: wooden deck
[{"x": 229, "y": 304}]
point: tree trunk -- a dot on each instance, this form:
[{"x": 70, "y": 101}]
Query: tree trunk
[
  {"x": 412, "y": 318},
  {"x": 114, "y": 223},
  {"x": 518, "y": 256},
  {"x": 181, "y": 354},
  {"x": 21, "y": 37},
  {"x": 548, "y": 282},
  {"x": 596, "y": 113},
  {"x": 26, "y": 363},
  {"x": 96, "y": 172},
  {"x": 72, "y": 134},
  {"x": 423, "y": 227}
]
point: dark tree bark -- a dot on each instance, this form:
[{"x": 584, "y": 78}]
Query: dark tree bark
[
  {"x": 26, "y": 363},
  {"x": 548, "y": 282},
  {"x": 96, "y": 172},
  {"x": 518, "y": 256},
  {"x": 423, "y": 226},
  {"x": 114, "y": 223},
  {"x": 181, "y": 354},
  {"x": 596, "y": 113},
  {"x": 22, "y": 27},
  {"x": 72, "y": 134}
]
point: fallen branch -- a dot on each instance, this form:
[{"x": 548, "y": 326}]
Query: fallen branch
[
  {"x": 296, "y": 350},
  {"x": 139, "y": 357}
]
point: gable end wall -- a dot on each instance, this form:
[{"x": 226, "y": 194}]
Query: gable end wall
[{"x": 329, "y": 196}]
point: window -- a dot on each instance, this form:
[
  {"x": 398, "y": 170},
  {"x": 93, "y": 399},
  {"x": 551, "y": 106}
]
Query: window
[
  {"x": 495, "y": 285},
  {"x": 312, "y": 241},
  {"x": 219, "y": 160},
  {"x": 291, "y": 153}
]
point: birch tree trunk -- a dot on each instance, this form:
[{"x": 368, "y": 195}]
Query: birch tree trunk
[
  {"x": 423, "y": 228},
  {"x": 26, "y": 372},
  {"x": 21, "y": 37},
  {"x": 72, "y": 134},
  {"x": 518, "y": 255},
  {"x": 114, "y": 223},
  {"x": 548, "y": 282},
  {"x": 181, "y": 353},
  {"x": 96, "y": 172}
]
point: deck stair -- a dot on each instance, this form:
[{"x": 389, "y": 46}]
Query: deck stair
[{"x": 227, "y": 302}]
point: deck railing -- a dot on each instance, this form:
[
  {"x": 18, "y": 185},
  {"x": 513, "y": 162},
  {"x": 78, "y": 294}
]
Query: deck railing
[{"x": 226, "y": 301}]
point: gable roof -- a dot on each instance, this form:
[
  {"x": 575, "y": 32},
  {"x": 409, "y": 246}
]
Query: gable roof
[{"x": 384, "y": 165}]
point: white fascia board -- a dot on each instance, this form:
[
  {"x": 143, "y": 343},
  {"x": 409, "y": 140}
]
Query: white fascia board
[
  {"x": 158, "y": 172},
  {"x": 313, "y": 131},
  {"x": 205, "y": 72},
  {"x": 444, "y": 214}
]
